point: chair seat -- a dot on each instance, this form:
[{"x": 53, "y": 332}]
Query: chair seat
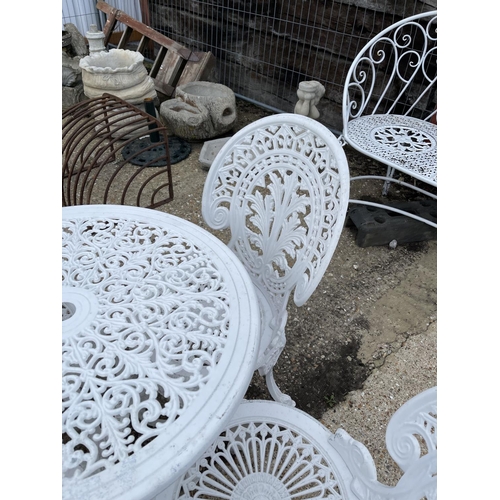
[
  {"x": 269, "y": 451},
  {"x": 405, "y": 143}
]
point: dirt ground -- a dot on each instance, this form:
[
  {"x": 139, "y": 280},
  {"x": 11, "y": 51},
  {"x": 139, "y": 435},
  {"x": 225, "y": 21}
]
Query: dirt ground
[{"x": 346, "y": 329}]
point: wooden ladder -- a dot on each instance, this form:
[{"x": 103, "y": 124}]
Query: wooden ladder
[{"x": 173, "y": 63}]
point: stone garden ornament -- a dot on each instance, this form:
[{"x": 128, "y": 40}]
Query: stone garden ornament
[
  {"x": 122, "y": 74},
  {"x": 200, "y": 110},
  {"x": 73, "y": 50},
  {"x": 96, "y": 39},
  {"x": 309, "y": 94},
  {"x": 118, "y": 72}
]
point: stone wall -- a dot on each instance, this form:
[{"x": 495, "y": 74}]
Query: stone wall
[{"x": 264, "y": 48}]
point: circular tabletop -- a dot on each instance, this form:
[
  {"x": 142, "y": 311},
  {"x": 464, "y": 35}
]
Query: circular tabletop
[{"x": 160, "y": 335}]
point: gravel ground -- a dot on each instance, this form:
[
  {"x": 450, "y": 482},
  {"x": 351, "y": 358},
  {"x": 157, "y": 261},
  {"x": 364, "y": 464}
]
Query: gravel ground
[{"x": 365, "y": 412}]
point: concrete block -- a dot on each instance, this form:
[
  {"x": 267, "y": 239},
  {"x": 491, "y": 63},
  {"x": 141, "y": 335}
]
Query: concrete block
[
  {"x": 210, "y": 150},
  {"x": 376, "y": 226}
]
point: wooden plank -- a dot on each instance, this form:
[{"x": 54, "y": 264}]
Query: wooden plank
[
  {"x": 109, "y": 26},
  {"x": 173, "y": 65},
  {"x": 148, "y": 32},
  {"x": 115, "y": 37},
  {"x": 170, "y": 69},
  {"x": 157, "y": 62},
  {"x": 144, "y": 6},
  {"x": 125, "y": 38},
  {"x": 196, "y": 71}
]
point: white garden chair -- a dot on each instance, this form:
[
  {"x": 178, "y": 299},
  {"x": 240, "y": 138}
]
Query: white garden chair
[
  {"x": 281, "y": 185},
  {"x": 389, "y": 104},
  {"x": 271, "y": 451}
]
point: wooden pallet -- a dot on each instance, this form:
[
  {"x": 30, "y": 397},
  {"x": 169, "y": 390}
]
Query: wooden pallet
[{"x": 173, "y": 64}]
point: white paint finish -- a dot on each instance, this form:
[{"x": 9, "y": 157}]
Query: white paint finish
[{"x": 177, "y": 315}]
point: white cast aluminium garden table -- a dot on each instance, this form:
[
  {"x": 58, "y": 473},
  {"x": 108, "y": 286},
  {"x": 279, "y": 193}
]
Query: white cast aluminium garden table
[{"x": 159, "y": 341}]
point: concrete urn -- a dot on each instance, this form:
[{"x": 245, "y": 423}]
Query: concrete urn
[
  {"x": 118, "y": 72},
  {"x": 200, "y": 110}
]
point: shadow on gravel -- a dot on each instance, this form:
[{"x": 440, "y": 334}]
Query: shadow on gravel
[{"x": 316, "y": 389}]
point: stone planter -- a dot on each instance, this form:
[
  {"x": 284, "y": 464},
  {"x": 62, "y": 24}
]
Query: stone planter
[
  {"x": 200, "y": 110},
  {"x": 118, "y": 72}
]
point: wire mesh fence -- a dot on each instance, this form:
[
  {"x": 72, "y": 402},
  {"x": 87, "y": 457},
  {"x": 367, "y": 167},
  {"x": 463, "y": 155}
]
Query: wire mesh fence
[
  {"x": 265, "y": 48},
  {"x": 83, "y": 13}
]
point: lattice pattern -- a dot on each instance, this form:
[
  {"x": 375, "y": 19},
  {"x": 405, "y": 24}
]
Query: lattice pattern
[{"x": 409, "y": 143}]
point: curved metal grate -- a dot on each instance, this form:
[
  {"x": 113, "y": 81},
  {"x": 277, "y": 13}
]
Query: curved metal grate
[{"x": 95, "y": 133}]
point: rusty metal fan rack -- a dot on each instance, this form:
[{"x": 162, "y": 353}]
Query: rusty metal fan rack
[{"x": 95, "y": 134}]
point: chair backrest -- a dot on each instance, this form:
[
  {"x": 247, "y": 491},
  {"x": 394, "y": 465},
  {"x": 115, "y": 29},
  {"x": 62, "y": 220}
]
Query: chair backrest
[
  {"x": 396, "y": 72},
  {"x": 281, "y": 185}
]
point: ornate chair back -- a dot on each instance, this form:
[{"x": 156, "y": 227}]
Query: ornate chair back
[
  {"x": 281, "y": 185},
  {"x": 396, "y": 72}
]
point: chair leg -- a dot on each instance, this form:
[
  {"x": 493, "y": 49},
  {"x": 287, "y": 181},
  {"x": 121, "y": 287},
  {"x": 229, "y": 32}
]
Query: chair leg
[
  {"x": 275, "y": 392},
  {"x": 387, "y": 184}
]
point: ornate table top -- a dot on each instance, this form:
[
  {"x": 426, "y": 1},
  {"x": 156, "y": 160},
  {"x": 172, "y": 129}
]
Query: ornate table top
[{"x": 160, "y": 337}]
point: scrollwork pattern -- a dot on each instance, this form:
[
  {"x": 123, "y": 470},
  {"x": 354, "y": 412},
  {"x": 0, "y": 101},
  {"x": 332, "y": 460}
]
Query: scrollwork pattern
[
  {"x": 281, "y": 187},
  {"x": 280, "y": 190},
  {"x": 159, "y": 332},
  {"x": 283, "y": 180},
  {"x": 411, "y": 440},
  {"x": 397, "y": 68}
]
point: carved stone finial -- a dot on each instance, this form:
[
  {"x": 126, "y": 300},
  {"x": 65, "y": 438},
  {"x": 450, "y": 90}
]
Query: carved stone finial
[{"x": 96, "y": 39}]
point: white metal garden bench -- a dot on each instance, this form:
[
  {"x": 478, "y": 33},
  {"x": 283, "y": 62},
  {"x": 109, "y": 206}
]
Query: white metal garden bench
[
  {"x": 271, "y": 451},
  {"x": 281, "y": 185},
  {"x": 389, "y": 104}
]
